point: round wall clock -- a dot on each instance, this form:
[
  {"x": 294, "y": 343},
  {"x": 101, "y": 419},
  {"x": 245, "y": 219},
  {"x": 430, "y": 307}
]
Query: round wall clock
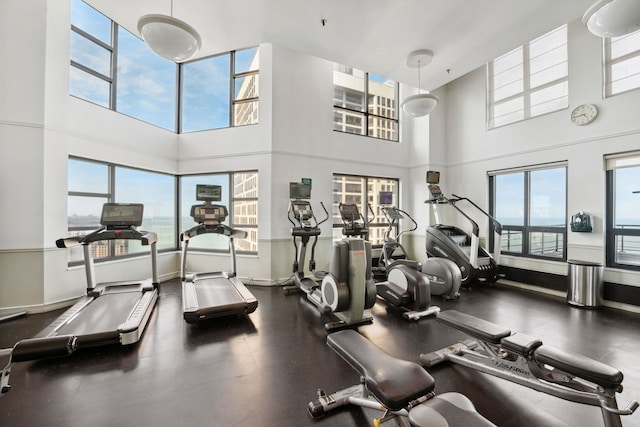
[{"x": 584, "y": 114}]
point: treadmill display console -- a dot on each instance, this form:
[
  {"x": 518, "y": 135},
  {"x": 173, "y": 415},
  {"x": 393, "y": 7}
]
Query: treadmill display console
[
  {"x": 436, "y": 193},
  {"x": 209, "y": 213},
  {"x": 208, "y": 193},
  {"x": 121, "y": 214}
]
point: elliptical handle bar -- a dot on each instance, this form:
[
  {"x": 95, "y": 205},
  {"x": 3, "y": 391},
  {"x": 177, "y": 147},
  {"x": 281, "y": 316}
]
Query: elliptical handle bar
[
  {"x": 326, "y": 215},
  {"x": 373, "y": 215},
  {"x": 415, "y": 224}
]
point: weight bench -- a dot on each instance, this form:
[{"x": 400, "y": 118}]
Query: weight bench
[
  {"x": 400, "y": 389},
  {"x": 527, "y": 361}
]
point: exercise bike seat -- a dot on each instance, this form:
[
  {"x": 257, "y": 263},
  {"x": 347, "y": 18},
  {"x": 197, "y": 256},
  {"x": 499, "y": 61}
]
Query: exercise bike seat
[
  {"x": 477, "y": 328},
  {"x": 394, "y": 382},
  {"x": 580, "y": 366}
]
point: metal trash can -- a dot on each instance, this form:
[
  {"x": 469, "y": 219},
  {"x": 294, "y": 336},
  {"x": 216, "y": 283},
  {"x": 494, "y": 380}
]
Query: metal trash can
[{"x": 585, "y": 284}]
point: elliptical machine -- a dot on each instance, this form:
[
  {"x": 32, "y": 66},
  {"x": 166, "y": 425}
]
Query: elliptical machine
[
  {"x": 443, "y": 275},
  {"x": 447, "y": 241},
  {"x": 347, "y": 289}
]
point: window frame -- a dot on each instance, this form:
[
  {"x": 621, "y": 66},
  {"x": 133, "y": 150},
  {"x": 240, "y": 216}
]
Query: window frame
[
  {"x": 527, "y": 91},
  {"x": 526, "y": 230},
  {"x": 367, "y": 114},
  {"x": 110, "y": 197},
  {"x": 609, "y": 62},
  {"x": 337, "y": 220},
  {"x": 612, "y": 232},
  {"x": 231, "y": 208}
]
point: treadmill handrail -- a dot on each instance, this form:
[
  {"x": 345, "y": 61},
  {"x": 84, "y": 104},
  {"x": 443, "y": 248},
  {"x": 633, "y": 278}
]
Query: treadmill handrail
[{"x": 221, "y": 229}]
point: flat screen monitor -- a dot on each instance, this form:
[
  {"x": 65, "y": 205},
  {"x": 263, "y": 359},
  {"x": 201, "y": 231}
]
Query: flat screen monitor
[
  {"x": 298, "y": 190},
  {"x": 208, "y": 193},
  {"x": 385, "y": 198},
  {"x": 121, "y": 214},
  {"x": 433, "y": 177}
]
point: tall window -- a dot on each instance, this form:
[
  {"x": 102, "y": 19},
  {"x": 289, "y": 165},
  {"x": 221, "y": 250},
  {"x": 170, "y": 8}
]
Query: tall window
[
  {"x": 115, "y": 69},
  {"x": 220, "y": 91},
  {"x": 623, "y": 211},
  {"x": 364, "y": 103},
  {"x": 531, "y": 205},
  {"x": 239, "y": 195},
  {"x": 92, "y": 44},
  {"x": 622, "y": 63},
  {"x": 91, "y": 184},
  {"x": 529, "y": 81},
  {"x": 363, "y": 191}
]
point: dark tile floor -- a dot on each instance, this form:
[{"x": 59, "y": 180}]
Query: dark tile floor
[{"x": 264, "y": 368}]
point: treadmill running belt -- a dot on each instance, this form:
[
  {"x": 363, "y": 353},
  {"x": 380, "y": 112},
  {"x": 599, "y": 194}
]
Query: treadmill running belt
[{"x": 218, "y": 297}]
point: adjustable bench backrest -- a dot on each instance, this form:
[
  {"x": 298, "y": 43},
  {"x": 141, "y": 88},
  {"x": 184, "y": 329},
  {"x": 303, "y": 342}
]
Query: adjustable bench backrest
[{"x": 394, "y": 382}]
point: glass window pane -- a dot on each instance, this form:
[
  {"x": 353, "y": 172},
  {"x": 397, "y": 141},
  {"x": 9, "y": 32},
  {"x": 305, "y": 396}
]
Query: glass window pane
[
  {"x": 625, "y": 45},
  {"x": 546, "y": 244},
  {"x": 627, "y": 203},
  {"x": 511, "y": 241},
  {"x": 547, "y": 206},
  {"x": 246, "y": 86},
  {"x": 245, "y": 185},
  {"x": 188, "y": 198},
  {"x": 382, "y": 96},
  {"x": 247, "y": 60},
  {"x": 88, "y": 177},
  {"x": 349, "y": 87},
  {"x": 205, "y": 94},
  {"x": 89, "y": 87},
  {"x": 146, "y": 83},
  {"x": 245, "y": 113},
  {"x": 509, "y": 195},
  {"x": 90, "y": 54},
  {"x": 91, "y": 21},
  {"x": 84, "y": 212},
  {"x": 627, "y": 250},
  {"x": 155, "y": 191}
]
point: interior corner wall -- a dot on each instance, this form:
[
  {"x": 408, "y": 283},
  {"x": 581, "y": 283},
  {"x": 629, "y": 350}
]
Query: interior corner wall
[{"x": 472, "y": 150}]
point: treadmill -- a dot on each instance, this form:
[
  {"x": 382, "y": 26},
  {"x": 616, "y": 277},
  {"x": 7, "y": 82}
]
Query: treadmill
[
  {"x": 217, "y": 294},
  {"x": 110, "y": 313}
]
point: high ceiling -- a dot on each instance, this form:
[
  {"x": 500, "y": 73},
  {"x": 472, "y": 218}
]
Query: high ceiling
[{"x": 372, "y": 35}]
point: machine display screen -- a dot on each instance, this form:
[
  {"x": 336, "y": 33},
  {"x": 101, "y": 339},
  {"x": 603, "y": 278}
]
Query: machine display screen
[
  {"x": 122, "y": 214},
  {"x": 433, "y": 177},
  {"x": 349, "y": 211},
  {"x": 386, "y": 198},
  {"x": 208, "y": 193},
  {"x": 298, "y": 190}
]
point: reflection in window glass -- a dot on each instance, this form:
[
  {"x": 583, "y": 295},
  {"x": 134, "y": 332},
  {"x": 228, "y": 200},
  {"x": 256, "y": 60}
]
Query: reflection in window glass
[
  {"x": 205, "y": 94},
  {"x": 146, "y": 83}
]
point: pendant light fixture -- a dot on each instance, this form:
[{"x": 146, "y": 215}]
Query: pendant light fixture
[
  {"x": 169, "y": 37},
  {"x": 613, "y": 18},
  {"x": 421, "y": 104}
]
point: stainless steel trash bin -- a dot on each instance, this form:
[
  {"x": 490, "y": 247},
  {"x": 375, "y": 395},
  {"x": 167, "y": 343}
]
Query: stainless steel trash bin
[{"x": 585, "y": 284}]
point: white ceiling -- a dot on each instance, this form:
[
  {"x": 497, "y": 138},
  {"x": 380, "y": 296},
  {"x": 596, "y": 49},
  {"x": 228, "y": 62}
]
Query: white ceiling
[{"x": 372, "y": 35}]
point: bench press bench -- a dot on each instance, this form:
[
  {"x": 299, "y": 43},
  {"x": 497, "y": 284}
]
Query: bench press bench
[
  {"x": 525, "y": 360},
  {"x": 400, "y": 389}
]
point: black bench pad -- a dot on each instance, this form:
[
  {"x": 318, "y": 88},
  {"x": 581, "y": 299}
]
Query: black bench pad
[
  {"x": 394, "y": 382},
  {"x": 580, "y": 366},
  {"x": 477, "y": 328},
  {"x": 520, "y": 344}
]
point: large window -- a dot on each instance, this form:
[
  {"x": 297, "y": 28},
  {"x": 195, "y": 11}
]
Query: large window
[
  {"x": 209, "y": 101},
  {"x": 529, "y": 81},
  {"x": 113, "y": 68},
  {"x": 623, "y": 211},
  {"x": 91, "y": 184},
  {"x": 363, "y": 191},
  {"x": 364, "y": 103},
  {"x": 239, "y": 194},
  {"x": 530, "y": 204},
  {"x": 622, "y": 63}
]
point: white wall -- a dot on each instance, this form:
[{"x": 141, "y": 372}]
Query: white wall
[{"x": 472, "y": 150}]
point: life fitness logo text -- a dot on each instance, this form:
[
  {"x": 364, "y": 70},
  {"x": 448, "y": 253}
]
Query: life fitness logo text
[{"x": 443, "y": 253}]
